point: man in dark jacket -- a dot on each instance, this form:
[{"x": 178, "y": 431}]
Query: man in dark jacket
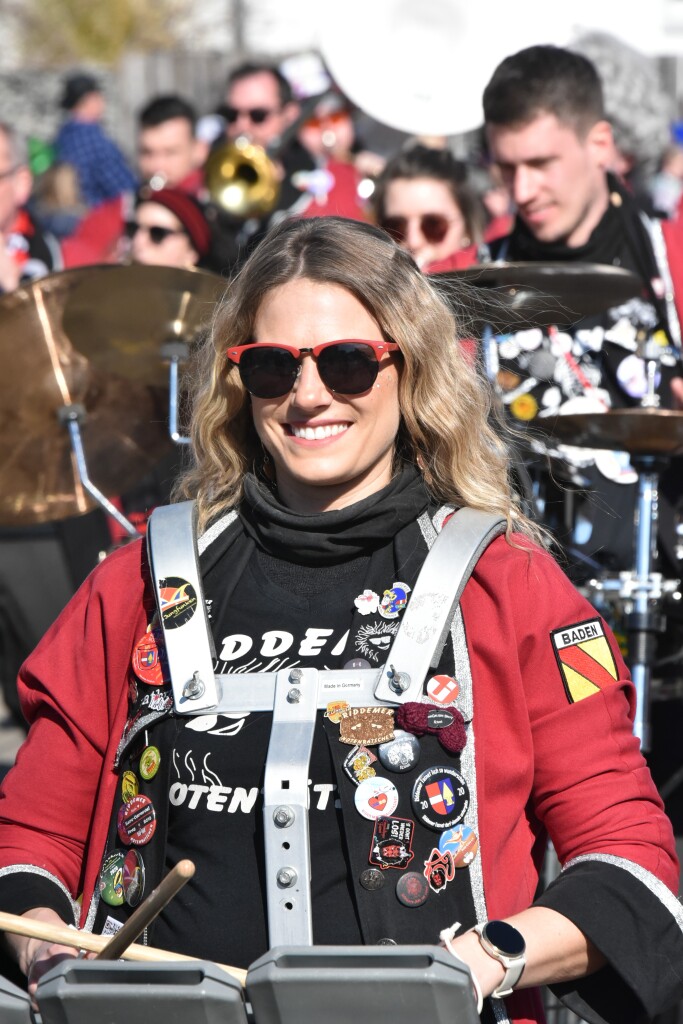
[{"x": 547, "y": 133}]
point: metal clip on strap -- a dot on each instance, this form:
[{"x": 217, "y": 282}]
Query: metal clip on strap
[{"x": 174, "y": 562}]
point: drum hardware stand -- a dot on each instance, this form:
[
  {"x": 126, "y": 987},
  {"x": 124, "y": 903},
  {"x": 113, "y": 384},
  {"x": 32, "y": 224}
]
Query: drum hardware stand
[
  {"x": 642, "y": 586},
  {"x": 176, "y": 352},
  {"x": 72, "y": 416}
]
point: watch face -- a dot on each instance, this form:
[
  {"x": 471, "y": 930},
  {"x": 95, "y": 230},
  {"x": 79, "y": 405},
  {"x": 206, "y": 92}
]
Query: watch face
[{"x": 505, "y": 938}]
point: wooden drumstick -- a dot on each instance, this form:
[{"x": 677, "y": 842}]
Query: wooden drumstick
[
  {"x": 65, "y": 936},
  {"x": 150, "y": 908}
]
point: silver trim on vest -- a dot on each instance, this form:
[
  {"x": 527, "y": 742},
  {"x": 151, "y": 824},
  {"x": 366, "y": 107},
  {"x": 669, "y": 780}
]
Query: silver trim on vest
[{"x": 214, "y": 531}]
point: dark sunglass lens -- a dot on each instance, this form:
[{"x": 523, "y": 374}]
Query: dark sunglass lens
[
  {"x": 157, "y": 234},
  {"x": 349, "y": 369},
  {"x": 230, "y": 114},
  {"x": 396, "y": 227},
  {"x": 434, "y": 227},
  {"x": 268, "y": 372},
  {"x": 130, "y": 229},
  {"x": 259, "y": 115}
]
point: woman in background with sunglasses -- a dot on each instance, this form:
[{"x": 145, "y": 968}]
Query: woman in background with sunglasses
[
  {"x": 336, "y": 425},
  {"x": 168, "y": 229},
  {"x": 423, "y": 199}
]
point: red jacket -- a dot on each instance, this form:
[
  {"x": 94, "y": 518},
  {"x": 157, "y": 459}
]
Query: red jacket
[
  {"x": 96, "y": 238},
  {"x": 541, "y": 761}
]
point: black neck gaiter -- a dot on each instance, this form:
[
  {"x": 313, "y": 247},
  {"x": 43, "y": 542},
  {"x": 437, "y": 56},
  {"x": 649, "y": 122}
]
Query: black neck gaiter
[{"x": 329, "y": 538}]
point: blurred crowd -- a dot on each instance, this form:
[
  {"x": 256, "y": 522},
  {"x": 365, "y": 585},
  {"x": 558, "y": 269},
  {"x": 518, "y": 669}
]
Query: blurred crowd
[{"x": 206, "y": 186}]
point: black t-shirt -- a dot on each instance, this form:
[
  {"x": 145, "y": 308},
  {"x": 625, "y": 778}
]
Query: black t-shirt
[{"x": 278, "y": 616}]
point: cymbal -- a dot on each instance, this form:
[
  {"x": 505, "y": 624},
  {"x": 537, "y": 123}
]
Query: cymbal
[
  {"x": 121, "y": 316},
  {"x": 520, "y": 295},
  {"x": 124, "y": 430},
  {"x": 637, "y": 431}
]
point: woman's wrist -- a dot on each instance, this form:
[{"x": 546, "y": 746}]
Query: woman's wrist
[{"x": 487, "y": 971}]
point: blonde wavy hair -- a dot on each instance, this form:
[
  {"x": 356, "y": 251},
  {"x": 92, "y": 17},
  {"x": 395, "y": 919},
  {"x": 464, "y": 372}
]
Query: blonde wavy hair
[{"x": 446, "y": 425}]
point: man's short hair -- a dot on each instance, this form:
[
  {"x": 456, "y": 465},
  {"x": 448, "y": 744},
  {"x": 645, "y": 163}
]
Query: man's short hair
[
  {"x": 167, "y": 108},
  {"x": 544, "y": 79},
  {"x": 250, "y": 68},
  {"x": 16, "y": 145}
]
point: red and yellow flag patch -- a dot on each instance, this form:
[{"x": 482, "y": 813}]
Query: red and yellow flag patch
[{"x": 585, "y": 659}]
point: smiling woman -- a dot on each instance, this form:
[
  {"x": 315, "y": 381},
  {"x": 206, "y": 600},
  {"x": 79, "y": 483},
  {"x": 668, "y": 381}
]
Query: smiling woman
[
  {"x": 342, "y": 282},
  {"x": 336, "y": 427}
]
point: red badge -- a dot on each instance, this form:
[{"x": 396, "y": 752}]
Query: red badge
[
  {"x": 137, "y": 821},
  {"x": 149, "y": 659},
  {"x": 439, "y": 869},
  {"x": 442, "y": 689}
]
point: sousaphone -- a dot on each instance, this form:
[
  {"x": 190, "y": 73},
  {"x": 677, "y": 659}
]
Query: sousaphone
[{"x": 422, "y": 67}]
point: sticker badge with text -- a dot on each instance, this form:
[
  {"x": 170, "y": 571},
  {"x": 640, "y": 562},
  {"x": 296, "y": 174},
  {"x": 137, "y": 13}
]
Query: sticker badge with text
[{"x": 585, "y": 659}]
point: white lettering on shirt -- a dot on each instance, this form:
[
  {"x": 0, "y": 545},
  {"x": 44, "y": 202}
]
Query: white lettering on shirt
[
  {"x": 235, "y": 646},
  {"x": 339, "y": 648},
  {"x": 243, "y": 800},
  {"x": 313, "y": 642},
  {"x": 177, "y": 793},
  {"x": 196, "y": 791},
  {"x": 324, "y": 789},
  {"x": 217, "y": 797},
  {"x": 276, "y": 641}
]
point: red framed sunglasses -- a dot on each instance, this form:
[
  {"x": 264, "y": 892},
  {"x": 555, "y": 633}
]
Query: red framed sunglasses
[
  {"x": 348, "y": 366},
  {"x": 434, "y": 227}
]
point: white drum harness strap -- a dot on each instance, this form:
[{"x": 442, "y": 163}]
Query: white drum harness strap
[{"x": 295, "y": 695}]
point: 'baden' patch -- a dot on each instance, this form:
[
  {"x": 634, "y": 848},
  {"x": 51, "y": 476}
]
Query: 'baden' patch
[{"x": 585, "y": 659}]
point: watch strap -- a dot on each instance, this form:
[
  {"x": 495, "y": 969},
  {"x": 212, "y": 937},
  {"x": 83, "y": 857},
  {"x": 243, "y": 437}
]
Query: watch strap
[{"x": 513, "y": 965}]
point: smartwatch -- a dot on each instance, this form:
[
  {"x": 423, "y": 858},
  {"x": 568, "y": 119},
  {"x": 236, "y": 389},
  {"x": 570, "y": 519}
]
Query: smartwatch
[{"x": 506, "y": 945}]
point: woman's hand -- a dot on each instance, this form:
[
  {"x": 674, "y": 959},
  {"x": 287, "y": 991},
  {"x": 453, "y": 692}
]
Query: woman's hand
[{"x": 37, "y": 956}]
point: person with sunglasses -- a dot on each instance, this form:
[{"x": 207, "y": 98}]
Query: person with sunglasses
[
  {"x": 260, "y": 105},
  {"x": 168, "y": 229},
  {"x": 169, "y": 155},
  {"x": 336, "y": 428},
  {"x": 423, "y": 199}
]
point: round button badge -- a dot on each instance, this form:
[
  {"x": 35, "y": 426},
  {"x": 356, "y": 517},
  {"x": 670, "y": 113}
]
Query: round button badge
[
  {"x": 440, "y": 797},
  {"x": 376, "y": 798},
  {"x": 129, "y": 786},
  {"x": 412, "y": 889},
  {"x": 133, "y": 878},
  {"x": 400, "y": 754},
  {"x": 372, "y": 879},
  {"x": 137, "y": 821},
  {"x": 443, "y": 689},
  {"x": 110, "y": 882},
  {"x": 149, "y": 658},
  {"x": 150, "y": 759},
  {"x": 462, "y": 844}
]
